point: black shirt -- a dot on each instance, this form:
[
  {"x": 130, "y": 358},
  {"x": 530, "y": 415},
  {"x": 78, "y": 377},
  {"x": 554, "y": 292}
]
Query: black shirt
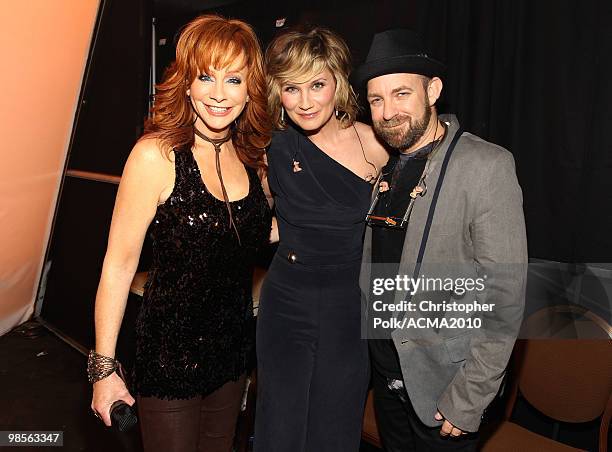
[{"x": 402, "y": 173}]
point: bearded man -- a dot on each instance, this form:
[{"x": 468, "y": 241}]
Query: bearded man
[{"x": 451, "y": 200}]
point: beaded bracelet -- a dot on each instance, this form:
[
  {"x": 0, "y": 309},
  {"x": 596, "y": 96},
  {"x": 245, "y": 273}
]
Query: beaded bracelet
[{"x": 100, "y": 366}]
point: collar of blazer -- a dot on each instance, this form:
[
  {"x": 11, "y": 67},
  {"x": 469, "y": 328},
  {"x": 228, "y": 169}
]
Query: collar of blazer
[{"x": 436, "y": 159}]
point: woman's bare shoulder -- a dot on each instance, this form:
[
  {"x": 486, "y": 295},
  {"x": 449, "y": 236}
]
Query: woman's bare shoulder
[
  {"x": 149, "y": 159},
  {"x": 151, "y": 150},
  {"x": 372, "y": 144},
  {"x": 366, "y": 132}
]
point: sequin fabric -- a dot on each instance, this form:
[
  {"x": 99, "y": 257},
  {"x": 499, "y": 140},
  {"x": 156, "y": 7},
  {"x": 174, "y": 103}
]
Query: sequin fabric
[{"x": 195, "y": 330}]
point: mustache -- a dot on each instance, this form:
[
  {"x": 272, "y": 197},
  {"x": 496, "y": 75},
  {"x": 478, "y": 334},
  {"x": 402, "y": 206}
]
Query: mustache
[{"x": 393, "y": 122}]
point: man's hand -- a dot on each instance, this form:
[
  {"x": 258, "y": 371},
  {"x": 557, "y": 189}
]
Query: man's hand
[{"x": 448, "y": 428}]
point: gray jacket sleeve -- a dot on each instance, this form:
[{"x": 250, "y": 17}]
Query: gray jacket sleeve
[{"x": 499, "y": 242}]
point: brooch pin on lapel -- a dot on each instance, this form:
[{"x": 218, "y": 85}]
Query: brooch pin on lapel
[
  {"x": 418, "y": 190},
  {"x": 296, "y": 166}
]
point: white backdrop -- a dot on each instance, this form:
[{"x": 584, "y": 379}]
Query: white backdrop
[{"x": 44, "y": 46}]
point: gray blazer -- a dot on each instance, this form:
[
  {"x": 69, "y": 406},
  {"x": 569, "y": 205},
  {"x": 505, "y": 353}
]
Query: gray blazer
[{"x": 479, "y": 227}]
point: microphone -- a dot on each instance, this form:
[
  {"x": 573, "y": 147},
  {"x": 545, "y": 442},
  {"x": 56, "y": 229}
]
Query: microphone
[{"x": 123, "y": 416}]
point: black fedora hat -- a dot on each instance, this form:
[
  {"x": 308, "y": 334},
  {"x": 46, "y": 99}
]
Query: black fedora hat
[{"x": 396, "y": 51}]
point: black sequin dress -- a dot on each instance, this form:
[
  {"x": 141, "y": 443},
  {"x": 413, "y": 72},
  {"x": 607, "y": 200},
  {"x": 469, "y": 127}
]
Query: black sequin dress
[{"x": 195, "y": 330}]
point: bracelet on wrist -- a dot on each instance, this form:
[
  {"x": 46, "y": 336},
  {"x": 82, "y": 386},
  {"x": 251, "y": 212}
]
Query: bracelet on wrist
[{"x": 100, "y": 366}]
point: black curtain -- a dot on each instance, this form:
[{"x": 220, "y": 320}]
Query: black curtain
[{"x": 533, "y": 76}]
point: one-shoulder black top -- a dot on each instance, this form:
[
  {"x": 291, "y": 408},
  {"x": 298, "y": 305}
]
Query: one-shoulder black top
[
  {"x": 320, "y": 204},
  {"x": 195, "y": 329}
]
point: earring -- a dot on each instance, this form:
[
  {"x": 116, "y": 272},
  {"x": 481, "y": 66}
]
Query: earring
[
  {"x": 336, "y": 113},
  {"x": 282, "y": 116}
]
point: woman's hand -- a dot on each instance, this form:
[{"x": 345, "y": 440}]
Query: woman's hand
[
  {"x": 106, "y": 392},
  {"x": 274, "y": 231}
]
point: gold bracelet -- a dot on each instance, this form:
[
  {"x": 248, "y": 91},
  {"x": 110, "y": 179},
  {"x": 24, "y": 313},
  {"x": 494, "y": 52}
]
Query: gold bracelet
[{"x": 100, "y": 366}]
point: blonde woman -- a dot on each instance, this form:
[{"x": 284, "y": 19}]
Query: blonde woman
[{"x": 312, "y": 363}]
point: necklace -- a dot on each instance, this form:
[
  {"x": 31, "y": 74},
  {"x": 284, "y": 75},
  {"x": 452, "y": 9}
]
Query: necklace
[
  {"x": 369, "y": 177},
  {"x": 217, "y": 142}
]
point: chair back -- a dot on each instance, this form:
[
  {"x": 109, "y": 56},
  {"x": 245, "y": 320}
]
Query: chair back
[{"x": 569, "y": 380}]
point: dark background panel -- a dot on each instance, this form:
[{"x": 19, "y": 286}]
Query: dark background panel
[
  {"x": 76, "y": 255},
  {"x": 114, "y": 98}
]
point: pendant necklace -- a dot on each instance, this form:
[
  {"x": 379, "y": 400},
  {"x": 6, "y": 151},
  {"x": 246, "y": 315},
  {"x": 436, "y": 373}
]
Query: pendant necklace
[{"x": 217, "y": 142}]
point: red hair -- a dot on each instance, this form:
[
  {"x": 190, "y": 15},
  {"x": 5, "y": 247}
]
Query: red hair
[{"x": 213, "y": 41}]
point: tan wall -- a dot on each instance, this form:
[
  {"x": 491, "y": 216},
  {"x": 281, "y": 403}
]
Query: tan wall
[{"x": 44, "y": 46}]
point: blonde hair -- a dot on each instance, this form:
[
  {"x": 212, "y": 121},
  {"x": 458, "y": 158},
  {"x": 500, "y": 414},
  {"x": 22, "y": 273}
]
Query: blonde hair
[{"x": 297, "y": 56}]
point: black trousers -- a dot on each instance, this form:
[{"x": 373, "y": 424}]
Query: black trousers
[
  {"x": 198, "y": 424},
  {"x": 402, "y": 431},
  {"x": 312, "y": 364}
]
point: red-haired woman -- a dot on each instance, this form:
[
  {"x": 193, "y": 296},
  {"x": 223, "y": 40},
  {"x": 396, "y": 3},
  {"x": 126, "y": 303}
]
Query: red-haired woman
[{"x": 193, "y": 177}]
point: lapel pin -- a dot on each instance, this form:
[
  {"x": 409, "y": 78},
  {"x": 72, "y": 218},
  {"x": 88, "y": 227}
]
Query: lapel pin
[{"x": 417, "y": 191}]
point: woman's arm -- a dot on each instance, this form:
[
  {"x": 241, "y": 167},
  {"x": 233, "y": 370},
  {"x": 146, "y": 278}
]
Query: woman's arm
[
  {"x": 145, "y": 178},
  {"x": 274, "y": 231},
  {"x": 266, "y": 188}
]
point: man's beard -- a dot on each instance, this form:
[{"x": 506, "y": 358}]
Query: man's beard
[{"x": 403, "y": 138}]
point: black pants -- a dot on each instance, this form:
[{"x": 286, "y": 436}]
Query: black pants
[
  {"x": 312, "y": 364},
  {"x": 402, "y": 431},
  {"x": 199, "y": 424}
]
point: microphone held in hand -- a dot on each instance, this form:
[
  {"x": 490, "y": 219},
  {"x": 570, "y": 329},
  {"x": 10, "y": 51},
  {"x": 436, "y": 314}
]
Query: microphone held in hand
[{"x": 123, "y": 417}]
